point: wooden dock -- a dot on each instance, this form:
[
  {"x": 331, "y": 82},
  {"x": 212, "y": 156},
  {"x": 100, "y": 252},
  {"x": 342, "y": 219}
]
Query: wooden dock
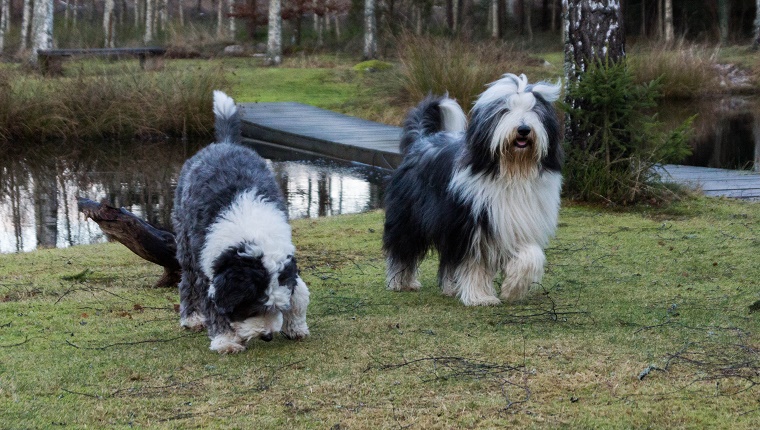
[{"x": 290, "y": 127}]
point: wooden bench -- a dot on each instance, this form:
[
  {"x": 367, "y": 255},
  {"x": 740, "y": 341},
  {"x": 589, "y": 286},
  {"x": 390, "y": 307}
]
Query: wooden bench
[{"x": 50, "y": 60}]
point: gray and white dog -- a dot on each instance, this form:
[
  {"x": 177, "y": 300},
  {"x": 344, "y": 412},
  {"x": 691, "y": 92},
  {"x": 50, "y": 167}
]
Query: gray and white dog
[{"x": 239, "y": 274}]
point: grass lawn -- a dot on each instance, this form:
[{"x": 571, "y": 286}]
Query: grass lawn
[{"x": 643, "y": 320}]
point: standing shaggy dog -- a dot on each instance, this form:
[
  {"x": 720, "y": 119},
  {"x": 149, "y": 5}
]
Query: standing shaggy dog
[
  {"x": 485, "y": 195},
  {"x": 239, "y": 273}
]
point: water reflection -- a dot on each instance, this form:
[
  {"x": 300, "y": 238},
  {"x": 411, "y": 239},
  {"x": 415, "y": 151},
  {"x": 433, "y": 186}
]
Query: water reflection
[
  {"x": 726, "y": 131},
  {"x": 39, "y": 189}
]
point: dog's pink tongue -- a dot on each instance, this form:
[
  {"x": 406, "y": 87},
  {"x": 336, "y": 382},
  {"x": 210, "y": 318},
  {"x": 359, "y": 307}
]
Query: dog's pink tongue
[{"x": 521, "y": 143}]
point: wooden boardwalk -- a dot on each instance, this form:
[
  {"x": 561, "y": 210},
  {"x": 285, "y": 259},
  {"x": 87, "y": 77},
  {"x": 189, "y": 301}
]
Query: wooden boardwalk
[{"x": 311, "y": 131}]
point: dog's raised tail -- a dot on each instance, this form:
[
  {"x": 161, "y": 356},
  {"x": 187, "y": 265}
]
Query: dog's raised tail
[
  {"x": 433, "y": 115},
  {"x": 227, "y": 119}
]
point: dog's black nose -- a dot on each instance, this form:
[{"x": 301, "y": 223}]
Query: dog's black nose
[
  {"x": 266, "y": 337},
  {"x": 523, "y": 130}
]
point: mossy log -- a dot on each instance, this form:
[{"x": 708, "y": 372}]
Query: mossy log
[{"x": 150, "y": 243}]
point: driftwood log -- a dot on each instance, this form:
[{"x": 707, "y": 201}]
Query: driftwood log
[{"x": 150, "y": 243}]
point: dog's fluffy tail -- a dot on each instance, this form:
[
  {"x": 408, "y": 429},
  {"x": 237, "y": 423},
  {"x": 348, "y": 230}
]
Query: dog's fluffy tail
[
  {"x": 227, "y": 123},
  {"x": 434, "y": 114}
]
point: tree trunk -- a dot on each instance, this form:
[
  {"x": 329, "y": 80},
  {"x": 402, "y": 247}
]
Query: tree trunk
[
  {"x": 46, "y": 207},
  {"x": 150, "y": 10},
  {"x": 26, "y": 21},
  {"x": 527, "y": 15},
  {"x": 4, "y": 19},
  {"x": 756, "y": 38},
  {"x": 231, "y": 23},
  {"x": 274, "y": 34},
  {"x": 42, "y": 28},
  {"x": 669, "y": 33},
  {"x": 108, "y": 24},
  {"x": 593, "y": 32},
  {"x": 495, "y": 28},
  {"x": 152, "y": 244},
  {"x": 370, "y": 30},
  {"x": 219, "y": 18},
  {"x": 723, "y": 17}
]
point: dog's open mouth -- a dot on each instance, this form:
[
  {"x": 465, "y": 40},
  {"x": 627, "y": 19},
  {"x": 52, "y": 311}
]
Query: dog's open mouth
[{"x": 522, "y": 142}]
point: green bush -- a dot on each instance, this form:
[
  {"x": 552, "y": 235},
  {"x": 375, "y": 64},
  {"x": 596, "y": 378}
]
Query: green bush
[{"x": 614, "y": 143}]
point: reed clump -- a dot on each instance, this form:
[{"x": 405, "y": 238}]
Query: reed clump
[
  {"x": 683, "y": 70},
  {"x": 460, "y": 68},
  {"x": 108, "y": 105}
]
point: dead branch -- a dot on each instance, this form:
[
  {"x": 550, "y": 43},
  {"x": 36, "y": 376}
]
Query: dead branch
[
  {"x": 139, "y": 342},
  {"x": 150, "y": 243}
]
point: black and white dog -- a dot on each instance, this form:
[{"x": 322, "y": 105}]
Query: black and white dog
[
  {"x": 239, "y": 273},
  {"x": 485, "y": 195}
]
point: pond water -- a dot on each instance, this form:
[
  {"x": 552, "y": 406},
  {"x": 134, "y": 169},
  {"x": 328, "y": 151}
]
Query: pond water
[{"x": 39, "y": 187}]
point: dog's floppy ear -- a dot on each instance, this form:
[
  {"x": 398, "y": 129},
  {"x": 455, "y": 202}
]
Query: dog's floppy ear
[
  {"x": 240, "y": 283},
  {"x": 289, "y": 274}
]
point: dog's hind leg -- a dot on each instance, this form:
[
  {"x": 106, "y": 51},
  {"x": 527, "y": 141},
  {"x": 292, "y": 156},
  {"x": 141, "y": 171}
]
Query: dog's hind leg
[
  {"x": 523, "y": 269},
  {"x": 190, "y": 304},
  {"x": 447, "y": 281},
  {"x": 294, "y": 320},
  {"x": 475, "y": 283}
]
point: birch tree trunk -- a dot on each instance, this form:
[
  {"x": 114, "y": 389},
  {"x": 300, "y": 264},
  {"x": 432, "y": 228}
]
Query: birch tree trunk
[
  {"x": 495, "y": 29},
  {"x": 150, "y": 9},
  {"x": 231, "y": 11},
  {"x": 26, "y": 20},
  {"x": 4, "y": 17},
  {"x": 219, "y": 18},
  {"x": 756, "y": 38},
  {"x": 669, "y": 33},
  {"x": 42, "y": 28},
  {"x": 370, "y": 30},
  {"x": 723, "y": 17},
  {"x": 593, "y": 32},
  {"x": 108, "y": 23},
  {"x": 274, "y": 34}
]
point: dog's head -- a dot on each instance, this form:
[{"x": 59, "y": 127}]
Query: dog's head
[
  {"x": 252, "y": 289},
  {"x": 514, "y": 128}
]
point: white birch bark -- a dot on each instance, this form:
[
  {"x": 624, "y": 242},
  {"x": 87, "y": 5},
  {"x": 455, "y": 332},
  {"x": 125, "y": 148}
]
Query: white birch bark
[
  {"x": 495, "y": 33},
  {"x": 756, "y": 24},
  {"x": 42, "y": 28},
  {"x": 4, "y": 17},
  {"x": 26, "y": 21},
  {"x": 108, "y": 23},
  {"x": 274, "y": 33},
  {"x": 219, "y": 18},
  {"x": 669, "y": 33},
  {"x": 370, "y": 30},
  {"x": 231, "y": 23},
  {"x": 150, "y": 9}
]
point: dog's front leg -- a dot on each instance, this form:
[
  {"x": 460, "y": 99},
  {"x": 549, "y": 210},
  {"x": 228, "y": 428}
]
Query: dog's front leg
[
  {"x": 475, "y": 284},
  {"x": 525, "y": 268},
  {"x": 294, "y": 324}
]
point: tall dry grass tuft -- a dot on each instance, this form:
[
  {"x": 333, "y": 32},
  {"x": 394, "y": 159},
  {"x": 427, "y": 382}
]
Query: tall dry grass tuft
[
  {"x": 684, "y": 70},
  {"x": 109, "y": 105},
  {"x": 438, "y": 65}
]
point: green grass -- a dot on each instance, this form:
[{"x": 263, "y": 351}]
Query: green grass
[{"x": 86, "y": 342}]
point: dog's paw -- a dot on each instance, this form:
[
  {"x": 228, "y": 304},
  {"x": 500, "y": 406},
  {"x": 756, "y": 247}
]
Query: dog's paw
[
  {"x": 404, "y": 286},
  {"x": 296, "y": 333},
  {"x": 482, "y": 301},
  {"x": 194, "y": 322},
  {"x": 226, "y": 344}
]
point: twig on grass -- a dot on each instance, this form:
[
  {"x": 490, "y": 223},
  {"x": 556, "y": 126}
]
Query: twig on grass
[
  {"x": 15, "y": 344},
  {"x": 139, "y": 342},
  {"x": 94, "y": 396},
  {"x": 458, "y": 367}
]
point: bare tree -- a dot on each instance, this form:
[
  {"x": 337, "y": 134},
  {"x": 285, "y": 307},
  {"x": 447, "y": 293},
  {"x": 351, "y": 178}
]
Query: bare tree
[
  {"x": 370, "y": 30},
  {"x": 274, "y": 34},
  {"x": 109, "y": 25},
  {"x": 150, "y": 10},
  {"x": 42, "y": 28},
  {"x": 756, "y": 38},
  {"x": 669, "y": 33},
  {"x": 26, "y": 21},
  {"x": 5, "y": 15}
]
